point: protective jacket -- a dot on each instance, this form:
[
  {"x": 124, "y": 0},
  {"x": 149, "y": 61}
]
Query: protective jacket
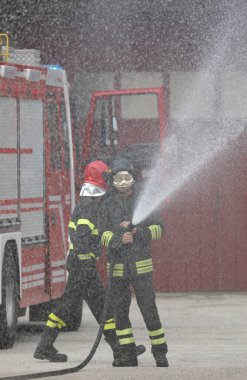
[
  {"x": 84, "y": 239},
  {"x": 130, "y": 259}
]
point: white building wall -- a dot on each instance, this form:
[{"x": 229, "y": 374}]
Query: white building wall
[
  {"x": 88, "y": 83},
  {"x": 140, "y": 106},
  {"x": 192, "y": 95},
  {"x": 234, "y": 95}
]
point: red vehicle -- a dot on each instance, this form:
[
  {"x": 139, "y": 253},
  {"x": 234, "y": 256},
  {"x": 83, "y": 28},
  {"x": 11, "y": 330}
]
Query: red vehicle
[
  {"x": 204, "y": 247},
  {"x": 36, "y": 191}
]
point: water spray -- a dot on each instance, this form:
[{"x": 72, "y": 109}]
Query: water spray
[
  {"x": 168, "y": 175},
  {"x": 163, "y": 184}
]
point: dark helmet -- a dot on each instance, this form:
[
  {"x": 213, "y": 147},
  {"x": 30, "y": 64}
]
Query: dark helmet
[
  {"x": 95, "y": 179},
  {"x": 121, "y": 164},
  {"x": 122, "y": 173}
]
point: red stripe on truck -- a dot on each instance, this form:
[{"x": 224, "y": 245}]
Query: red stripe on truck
[{"x": 15, "y": 151}]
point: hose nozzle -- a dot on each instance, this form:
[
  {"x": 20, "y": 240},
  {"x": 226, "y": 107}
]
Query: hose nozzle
[{"x": 130, "y": 227}]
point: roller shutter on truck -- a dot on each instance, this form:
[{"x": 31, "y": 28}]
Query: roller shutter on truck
[
  {"x": 32, "y": 168},
  {"x": 8, "y": 161},
  {"x": 22, "y": 175}
]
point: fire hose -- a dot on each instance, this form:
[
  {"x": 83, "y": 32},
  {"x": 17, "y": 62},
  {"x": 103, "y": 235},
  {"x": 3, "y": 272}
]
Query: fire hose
[{"x": 83, "y": 364}]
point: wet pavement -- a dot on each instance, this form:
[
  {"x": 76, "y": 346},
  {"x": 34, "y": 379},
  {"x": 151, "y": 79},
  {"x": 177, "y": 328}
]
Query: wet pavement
[{"x": 206, "y": 335}]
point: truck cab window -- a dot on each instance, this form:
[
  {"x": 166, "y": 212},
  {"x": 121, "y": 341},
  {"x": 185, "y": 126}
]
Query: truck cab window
[
  {"x": 104, "y": 124},
  {"x": 100, "y": 137}
]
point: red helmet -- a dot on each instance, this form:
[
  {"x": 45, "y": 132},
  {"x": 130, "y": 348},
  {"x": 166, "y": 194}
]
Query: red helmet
[{"x": 96, "y": 173}]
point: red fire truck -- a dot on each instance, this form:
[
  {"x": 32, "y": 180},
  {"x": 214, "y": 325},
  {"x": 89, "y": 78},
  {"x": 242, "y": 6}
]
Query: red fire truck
[{"x": 36, "y": 190}]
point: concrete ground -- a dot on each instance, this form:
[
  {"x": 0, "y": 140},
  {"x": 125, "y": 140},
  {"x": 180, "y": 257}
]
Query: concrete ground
[{"x": 206, "y": 335}]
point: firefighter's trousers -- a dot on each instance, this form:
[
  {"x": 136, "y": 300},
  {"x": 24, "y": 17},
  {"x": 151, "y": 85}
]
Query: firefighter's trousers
[
  {"x": 83, "y": 283},
  {"x": 145, "y": 297}
]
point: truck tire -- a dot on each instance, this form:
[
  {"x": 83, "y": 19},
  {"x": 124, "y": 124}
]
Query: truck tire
[{"x": 10, "y": 301}]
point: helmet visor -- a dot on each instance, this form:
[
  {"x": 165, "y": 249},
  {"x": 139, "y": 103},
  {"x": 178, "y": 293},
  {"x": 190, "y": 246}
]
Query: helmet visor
[
  {"x": 89, "y": 190},
  {"x": 123, "y": 179}
]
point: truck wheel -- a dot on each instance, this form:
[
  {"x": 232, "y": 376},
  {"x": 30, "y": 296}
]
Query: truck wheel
[{"x": 10, "y": 300}]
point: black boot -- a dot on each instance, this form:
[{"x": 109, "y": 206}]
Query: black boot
[
  {"x": 160, "y": 358},
  {"x": 111, "y": 339},
  {"x": 113, "y": 342},
  {"x": 126, "y": 358},
  {"x": 45, "y": 349},
  {"x": 140, "y": 349},
  {"x": 162, "y": 361}
]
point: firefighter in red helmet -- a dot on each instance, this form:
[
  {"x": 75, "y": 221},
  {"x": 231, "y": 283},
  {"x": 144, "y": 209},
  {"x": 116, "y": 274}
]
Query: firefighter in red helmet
[{"x": 83, "y": 279}]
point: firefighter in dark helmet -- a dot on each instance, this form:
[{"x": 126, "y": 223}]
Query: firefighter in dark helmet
[
  {"x": 128, "y": 250},
  {"x": 83, "y": 280}
]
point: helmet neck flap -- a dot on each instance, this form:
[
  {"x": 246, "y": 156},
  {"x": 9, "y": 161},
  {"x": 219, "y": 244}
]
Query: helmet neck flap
[{"x": 89, "y": 190}]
